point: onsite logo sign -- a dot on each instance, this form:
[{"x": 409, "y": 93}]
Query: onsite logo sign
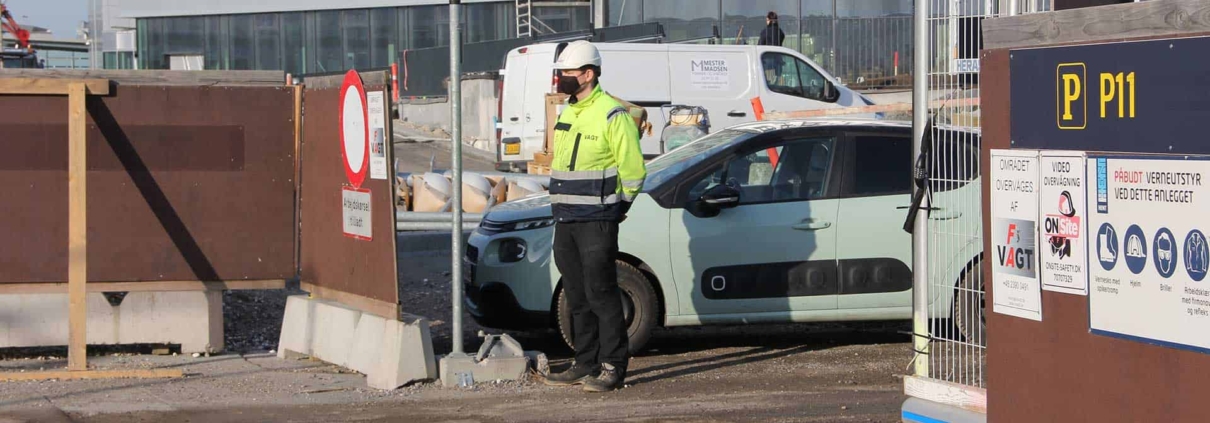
[
  {"x": 1063, "y": 227},
  {"x": 354, "y": 129}
]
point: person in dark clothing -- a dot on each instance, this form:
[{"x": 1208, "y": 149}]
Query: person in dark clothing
[{"x": 772, "y": 35}]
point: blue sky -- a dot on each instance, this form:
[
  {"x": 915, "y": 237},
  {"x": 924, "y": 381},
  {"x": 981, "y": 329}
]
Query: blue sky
[{"x": 60, "y": 16}]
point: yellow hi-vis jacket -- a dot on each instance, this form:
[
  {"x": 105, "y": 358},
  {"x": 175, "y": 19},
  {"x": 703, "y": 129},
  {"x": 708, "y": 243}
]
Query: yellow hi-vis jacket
[{"x": 598, "y": 168}]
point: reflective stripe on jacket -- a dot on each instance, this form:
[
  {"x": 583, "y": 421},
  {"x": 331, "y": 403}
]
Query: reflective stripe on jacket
[{"x": 598, "y": 166}]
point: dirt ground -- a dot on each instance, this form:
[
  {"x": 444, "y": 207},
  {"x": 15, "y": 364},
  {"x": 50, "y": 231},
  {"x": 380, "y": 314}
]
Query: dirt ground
[
  {"x": 807, "y": 372},
  {"x": 776, "y": 373}
]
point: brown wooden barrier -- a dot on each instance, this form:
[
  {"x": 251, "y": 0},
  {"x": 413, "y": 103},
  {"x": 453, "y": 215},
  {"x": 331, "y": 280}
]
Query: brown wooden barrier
[
  {"x": 356, "y": 272},
  {"x": 1055, "y": 369},
  {"x": 185, "y": 183}
]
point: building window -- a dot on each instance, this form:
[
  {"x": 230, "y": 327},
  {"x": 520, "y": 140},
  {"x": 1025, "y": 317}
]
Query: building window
[
  {"x": 294, "y": 52},
  {"x": 216, "y": 45},
  {"x": 683, "y": 19},
  {"x": 357, "y": 39},
  {"x": 330, "y": 46},
  {"x": 624, "y": 12},
  {"x": 490, "y": 22},
  {"x": 268, "y": 42},
  {"x": 243, "y": 51},
  {"x": 429, "y": 25},
  {"x": 382, "y": 37}
]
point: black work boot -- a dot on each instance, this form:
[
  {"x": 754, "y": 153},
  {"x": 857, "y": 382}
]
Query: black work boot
[
  {"x": 610, "y": 379},
  {"x": 576, "y": 375}
]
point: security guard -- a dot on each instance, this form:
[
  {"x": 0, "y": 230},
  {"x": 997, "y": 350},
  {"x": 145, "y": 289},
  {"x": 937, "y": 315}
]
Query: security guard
[{"x": 597, "y": 171}]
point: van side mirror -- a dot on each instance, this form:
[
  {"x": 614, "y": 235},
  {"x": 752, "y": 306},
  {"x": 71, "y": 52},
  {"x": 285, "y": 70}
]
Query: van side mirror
[
  {"x": 830, "y": 93},
  {"x": 713, "y": 201}
]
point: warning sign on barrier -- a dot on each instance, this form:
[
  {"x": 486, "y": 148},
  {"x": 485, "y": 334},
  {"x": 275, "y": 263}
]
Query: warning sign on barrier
[
  {"x": 1148, "y": 251},
  {"x": 357, "y": 218},
  {"x": 1062, "y": 214},
  {"x": 1014, "y": 219}
]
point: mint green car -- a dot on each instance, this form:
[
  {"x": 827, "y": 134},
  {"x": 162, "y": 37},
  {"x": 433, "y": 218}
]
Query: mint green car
[{"x": 768, "y": 222}]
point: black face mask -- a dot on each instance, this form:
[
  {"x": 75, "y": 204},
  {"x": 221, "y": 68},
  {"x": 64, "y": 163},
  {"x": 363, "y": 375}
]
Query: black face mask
[{"x": 569, "y": 85}]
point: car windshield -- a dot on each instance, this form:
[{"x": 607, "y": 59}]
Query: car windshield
[{"x": 676, "y": 161}]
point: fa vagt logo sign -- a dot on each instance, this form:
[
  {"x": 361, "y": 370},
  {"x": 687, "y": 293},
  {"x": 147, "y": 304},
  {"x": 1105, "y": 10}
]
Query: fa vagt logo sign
[
  {"x": 1014, "y": 247},
  {"x": 1063, "y": 227}
]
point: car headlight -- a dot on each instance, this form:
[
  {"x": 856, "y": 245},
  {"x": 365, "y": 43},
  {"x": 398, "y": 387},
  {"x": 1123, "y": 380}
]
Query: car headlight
[
  {"x": 533, "y": 224},
  {"x": 512, "y": 250}
]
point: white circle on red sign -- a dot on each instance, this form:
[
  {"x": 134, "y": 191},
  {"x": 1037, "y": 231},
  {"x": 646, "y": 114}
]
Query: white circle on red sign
[{"x": 354, "y": 129}]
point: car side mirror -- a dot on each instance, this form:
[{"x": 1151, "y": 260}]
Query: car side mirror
[
  {"x": 830, "y": 93},
  {"x": 713, "y": 201}
]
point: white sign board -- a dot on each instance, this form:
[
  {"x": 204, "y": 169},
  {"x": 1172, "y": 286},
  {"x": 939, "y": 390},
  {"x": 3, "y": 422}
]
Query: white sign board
[
  {"x": 1014, "y": 238},
  {"x": 1148, "y": 252},
  {"x": 710, "y": 74},
  {"x": 376, "y": 103},
  {"x": 1063, "y": 214},
  {"x": 355, "y": 202}
]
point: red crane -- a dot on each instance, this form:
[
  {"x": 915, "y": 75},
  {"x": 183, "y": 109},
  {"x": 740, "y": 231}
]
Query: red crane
[{"x": 9, "y": 24}]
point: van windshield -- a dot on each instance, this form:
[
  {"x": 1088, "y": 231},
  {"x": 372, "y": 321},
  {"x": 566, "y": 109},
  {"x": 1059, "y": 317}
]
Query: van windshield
[{"x": 676, "y": 161}]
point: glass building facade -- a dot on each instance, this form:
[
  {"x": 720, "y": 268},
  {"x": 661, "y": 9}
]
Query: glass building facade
[
  {"x": 855, "y": 40},
  {"x": 328, "y": 40}
]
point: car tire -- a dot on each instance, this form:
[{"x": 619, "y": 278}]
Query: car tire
[
  {"x": 638, "y": 299},
  {"x": 969, "y": 306}
]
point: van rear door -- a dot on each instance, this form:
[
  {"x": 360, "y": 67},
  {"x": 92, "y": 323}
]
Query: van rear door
[
  {"x": 512, "y": 107},
  {"x": 538, "y": 82}
]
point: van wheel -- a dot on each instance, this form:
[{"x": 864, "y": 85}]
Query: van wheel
[
  {"x": 969, "y": 306},
  {"x": 640, "y": 308}
]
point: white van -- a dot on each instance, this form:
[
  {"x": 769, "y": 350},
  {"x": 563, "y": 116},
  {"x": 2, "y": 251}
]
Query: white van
[{"x": 724, "y": 79}]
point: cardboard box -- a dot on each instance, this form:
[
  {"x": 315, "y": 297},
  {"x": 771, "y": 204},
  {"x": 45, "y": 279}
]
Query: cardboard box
[
  {"x": 516, "y": 192},
  {"x": 403, "y": 194},
  {"x": 425, "y": 200},
  {"x": 474, "y": 201},
  {"x": 544, "y": 159}
]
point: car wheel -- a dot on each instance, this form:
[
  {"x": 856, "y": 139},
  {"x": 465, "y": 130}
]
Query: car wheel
[
  {"x": 640, "y": 308},
  {"x": 969, "y": 306}
]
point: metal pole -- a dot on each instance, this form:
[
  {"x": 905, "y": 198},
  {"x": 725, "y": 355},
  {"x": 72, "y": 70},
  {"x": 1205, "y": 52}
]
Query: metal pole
[
  {"x": 920, "y": 299},
  {"x": 456, "y": 144}
]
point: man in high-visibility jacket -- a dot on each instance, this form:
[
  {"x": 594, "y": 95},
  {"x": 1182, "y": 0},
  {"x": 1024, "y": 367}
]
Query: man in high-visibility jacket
[{"x": 596, "y": 173}]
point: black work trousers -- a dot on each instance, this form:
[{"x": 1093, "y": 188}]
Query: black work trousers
[{"x": 585, "y": 253}]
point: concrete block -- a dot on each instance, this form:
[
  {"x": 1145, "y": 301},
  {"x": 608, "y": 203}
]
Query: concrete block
[
  {"x": 193, "y": 320},
  {"x": 511, "y": 368},
  {"x": 335, "y": 327},
  {"x": 367, "y": 343},
  {"x": 407, "y": 354},
  {"x": 295, "y": 339},
  {"x": 390, "y": 353}
]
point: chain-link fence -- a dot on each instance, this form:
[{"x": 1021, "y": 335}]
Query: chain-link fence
[{"x": 957, "y": 328}]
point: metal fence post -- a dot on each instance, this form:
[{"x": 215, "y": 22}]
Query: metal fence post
[
  {"x": 456, "y": 147},
  {"x": 920, "y": 280}
]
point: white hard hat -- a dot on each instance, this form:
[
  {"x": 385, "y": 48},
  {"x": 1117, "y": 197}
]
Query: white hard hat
[{"x": 578, "y": 54}]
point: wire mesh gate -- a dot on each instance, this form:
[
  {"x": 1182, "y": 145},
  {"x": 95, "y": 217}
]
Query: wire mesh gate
[{"x": 953, "y": 278}]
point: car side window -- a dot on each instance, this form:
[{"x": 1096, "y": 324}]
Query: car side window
[
  {"x": 781, "y": 74},
  {"x": 796, "y": 170},
  {"x": 881, "y": 165},
  {"x": 786, "y": 74}
]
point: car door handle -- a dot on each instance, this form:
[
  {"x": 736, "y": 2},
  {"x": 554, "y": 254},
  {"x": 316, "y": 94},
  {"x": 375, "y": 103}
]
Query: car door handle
[
  {"x": 736, "y": 113},
  {"x": 514, "y": 119},
  {"x": 812, "y": 225}
]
